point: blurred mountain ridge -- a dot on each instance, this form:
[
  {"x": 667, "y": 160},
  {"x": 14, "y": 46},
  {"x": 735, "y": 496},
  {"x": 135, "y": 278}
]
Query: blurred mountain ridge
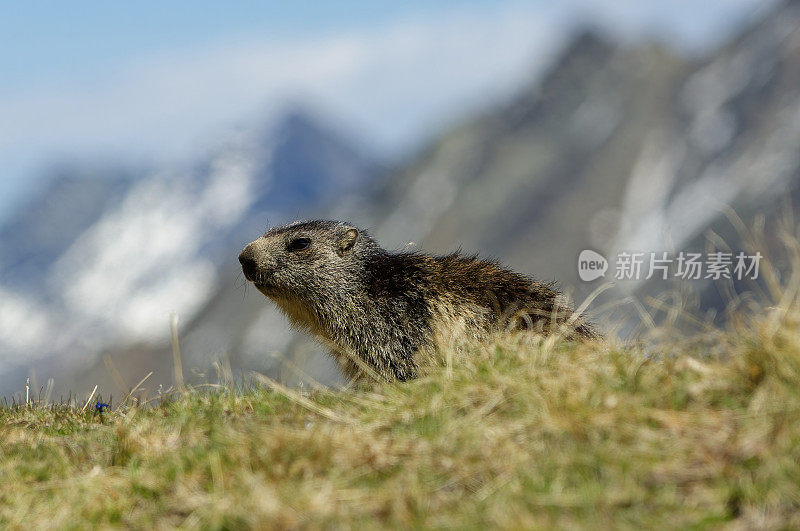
[
  {"x": 105, "y": 255},
  {"x": 616, "y": 147},
  {"x": 620, "y": 147}
]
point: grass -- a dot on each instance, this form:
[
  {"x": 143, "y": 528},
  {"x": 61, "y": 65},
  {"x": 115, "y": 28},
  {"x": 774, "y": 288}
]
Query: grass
[{"x": 514, "y": 435}]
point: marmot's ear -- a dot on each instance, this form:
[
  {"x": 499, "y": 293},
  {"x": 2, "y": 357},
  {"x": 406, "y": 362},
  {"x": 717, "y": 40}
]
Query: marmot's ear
[{"x": 347, "y": 241}]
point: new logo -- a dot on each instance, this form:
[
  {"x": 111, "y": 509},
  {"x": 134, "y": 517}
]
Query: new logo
[{"x": 591, "y": 265}]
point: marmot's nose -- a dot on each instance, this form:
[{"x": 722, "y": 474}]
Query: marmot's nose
[{"x": 248, "y": 261}]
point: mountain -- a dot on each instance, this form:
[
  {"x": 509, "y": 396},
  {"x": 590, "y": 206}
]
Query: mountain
[
  {"x": 99, "y": 259},
  {"x": 618, "y": 148},
  {"x": 535, "y": 180},
  {"x": 74, "y": 199}
]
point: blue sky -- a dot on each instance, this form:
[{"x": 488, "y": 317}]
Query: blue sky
[
  {"x": 57, "y": 39},
  {"x": 158, "y": 80}
]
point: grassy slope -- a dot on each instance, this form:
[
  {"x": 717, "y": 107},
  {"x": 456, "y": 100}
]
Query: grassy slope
[{"x": 513, "y": 435}]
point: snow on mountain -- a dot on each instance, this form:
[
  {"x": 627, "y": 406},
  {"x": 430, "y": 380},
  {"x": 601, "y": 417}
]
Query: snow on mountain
[
  {"x": 735, "y": 143},
  {"x": 96, "y": 263},
  {"x": 143, "y": 260},
  {"x": 22, "y": 324},
  {"x": 621, "y": 146},
  {"x": 41, "y": 229}
]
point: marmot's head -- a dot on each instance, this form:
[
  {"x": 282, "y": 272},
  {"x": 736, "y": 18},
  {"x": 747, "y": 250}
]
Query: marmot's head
[{"x": 305, "y": 259}]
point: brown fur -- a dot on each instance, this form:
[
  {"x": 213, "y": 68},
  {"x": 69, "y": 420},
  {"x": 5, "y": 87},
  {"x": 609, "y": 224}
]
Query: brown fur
[{"x": 378, "y": 310}]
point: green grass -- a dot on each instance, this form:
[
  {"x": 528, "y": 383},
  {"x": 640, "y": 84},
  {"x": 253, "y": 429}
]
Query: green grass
[{"x": 514, "y": 435}]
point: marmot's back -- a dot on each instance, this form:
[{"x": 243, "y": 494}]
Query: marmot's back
[
  {"x": 378, "y": 309},
  {"x": 513, "y": 300}
]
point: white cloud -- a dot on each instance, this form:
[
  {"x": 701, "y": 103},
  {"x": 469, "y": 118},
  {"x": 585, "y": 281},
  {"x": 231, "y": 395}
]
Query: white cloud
[
  {"x": 398, "y": 83},
  {"x": 392, "y": 80}
]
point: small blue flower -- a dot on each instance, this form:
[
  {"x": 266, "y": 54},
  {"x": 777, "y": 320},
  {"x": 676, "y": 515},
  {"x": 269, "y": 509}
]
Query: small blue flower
[{"x": 101, "y": 406}]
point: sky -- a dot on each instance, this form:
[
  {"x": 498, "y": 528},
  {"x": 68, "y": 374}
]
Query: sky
[{"x": 157, "y": 81}]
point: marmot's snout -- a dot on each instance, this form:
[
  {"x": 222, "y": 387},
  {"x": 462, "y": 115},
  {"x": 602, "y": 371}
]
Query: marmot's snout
[{"x": 249, "y": 265}]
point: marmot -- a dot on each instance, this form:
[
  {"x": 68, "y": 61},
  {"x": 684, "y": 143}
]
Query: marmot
[{"x": 333, "y": 280}]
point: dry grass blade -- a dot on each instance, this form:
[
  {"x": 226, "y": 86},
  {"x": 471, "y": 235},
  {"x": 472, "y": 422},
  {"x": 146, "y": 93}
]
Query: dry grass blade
[
  {"x": 176, "y": 352},
  {"x": 88, "y": 400},
  {"x": 693, "y": 431},
  {"x": 136, "y": 388},
  {"x": 119, "y": 381},
  {"x": 301, "y": 400}
]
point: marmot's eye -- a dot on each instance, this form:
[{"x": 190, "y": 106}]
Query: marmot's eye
[{"x": 299, "y": 244}]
